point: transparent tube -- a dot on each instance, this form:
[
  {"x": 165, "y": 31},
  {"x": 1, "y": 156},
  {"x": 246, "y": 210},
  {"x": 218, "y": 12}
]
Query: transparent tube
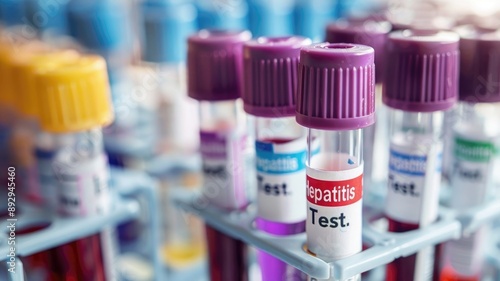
[
  {"x": 280, "y": 145},
  {"x": 413, "y": 184},
  {"x": 21, "y": 145},
  {"x": 340, "y": 150},
  {"x": 334, "y": 194},
  {"x": 475, "y": 142},
  {"x": 375, "y": 141},
  {"x": 177, "y": 114},
  {"x": 130, "y": 140},
  {"x": 80, "y": 171},
  {"x": 222, "y": 145}
]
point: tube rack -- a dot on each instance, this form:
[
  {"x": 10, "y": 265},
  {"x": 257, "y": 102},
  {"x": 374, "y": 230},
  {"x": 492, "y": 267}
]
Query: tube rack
[
  {"x": 64, "y": 230},
  {"x": 386, "y": 246}
]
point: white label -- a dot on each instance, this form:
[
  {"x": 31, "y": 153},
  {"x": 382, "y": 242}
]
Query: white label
[
  {"x": 83, "y": 186},
  {"x": 472, "y": 171},
  {"x": 471, "y": 179},
  {"x": 280, "y": 177},
  {"x": 223, "y": 169},
  {"x": 334, "y": 210},
  {"x": 414, "y": 178}
]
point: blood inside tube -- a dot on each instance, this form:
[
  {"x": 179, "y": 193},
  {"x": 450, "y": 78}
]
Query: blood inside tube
[
  {"x": 402, "y": 268},
  {"x": 223, "y": 164},
  {"x": 80, "y": 260},
  {"x": 37, "y": 266},
  {"x": 227, "y": 257}
]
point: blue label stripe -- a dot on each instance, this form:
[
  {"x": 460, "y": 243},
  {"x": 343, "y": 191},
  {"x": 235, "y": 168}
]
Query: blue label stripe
[
  {"x": 278, "y": 163},
  {"x": 414, "y": 165}
]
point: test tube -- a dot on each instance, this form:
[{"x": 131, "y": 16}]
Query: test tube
[
  {"x": 335, "y": 101},
  {"x": 39, "y": 187},
  {"x": 374, "y": 34},
  {"x": 18, "y": 139},
  {"x": 165, "y": 27},
  {"x": 271, "y": 73},
  {"x": 421, "y": 83},
  {"x": 215, "y": 79},
  {"x": 74, "y": 105},
  {"x": 475, "y": 145}
]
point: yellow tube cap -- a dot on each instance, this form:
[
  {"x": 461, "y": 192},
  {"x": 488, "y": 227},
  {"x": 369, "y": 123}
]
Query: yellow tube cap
[
  {"x": 74, "y": 96},
  {"x": 23, "y": 72},
  {"x": 9, "y": 53}
]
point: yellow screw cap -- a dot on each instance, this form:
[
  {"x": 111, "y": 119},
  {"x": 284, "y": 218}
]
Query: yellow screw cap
[
  {"x": 74, "y": 96},
  {"x": 23, "y": 72},
  {"x": 9, "y": 52}
]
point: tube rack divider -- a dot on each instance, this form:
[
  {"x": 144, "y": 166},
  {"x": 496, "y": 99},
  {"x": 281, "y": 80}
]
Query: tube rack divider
[{"x": 386, "y": 246}]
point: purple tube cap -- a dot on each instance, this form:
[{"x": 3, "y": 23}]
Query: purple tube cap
[
  {"x": 422, "y": 70},
  {"x": 214, "y": 62},
  {"x": 479, "y": 64},
  {"x": 336, "y": 87},
  {"x": 271, "y": 73},
  {"x": 368, "y": 32}
]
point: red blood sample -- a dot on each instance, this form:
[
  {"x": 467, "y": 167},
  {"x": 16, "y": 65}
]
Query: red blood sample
[
  {"x": 227, "y": 257},
  {"x": 402, "y": 268}
]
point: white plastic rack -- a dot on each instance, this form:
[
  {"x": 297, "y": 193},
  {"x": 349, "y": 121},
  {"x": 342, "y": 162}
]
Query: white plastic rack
[
  {"x": 385, "y": 246},
  {"x": 63, "y": 230}
]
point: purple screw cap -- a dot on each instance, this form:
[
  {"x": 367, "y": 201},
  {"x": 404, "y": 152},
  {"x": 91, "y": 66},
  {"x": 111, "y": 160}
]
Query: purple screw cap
[
  {"x": 215, "y": 64},
  {"x": 479, "y": 64},
  {"x": 368, "y": 32},
  {"x": 422, "y": 70},
  {"x": 336, "y": 86},
  {"x": 271, "y": 72}
]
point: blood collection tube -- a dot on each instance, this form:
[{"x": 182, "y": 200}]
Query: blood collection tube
[
  {"x": 166, "y": 27},
  {"x": 74, "y": 105},
  {"x": 39, "y": 187},
  {"x": 17, "y": 144},
  {"x": 335, "y": 101},
  {"x": 374, "y": 34},
  {"x": 36, "y": 189},
  {"x": 164, "y": 71},
  {"x": 475, "y": 146},
  {"x": 421, "y": 83},
  {"x": 271, "y": 73},
  {"x": 215, "y": 79}
]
